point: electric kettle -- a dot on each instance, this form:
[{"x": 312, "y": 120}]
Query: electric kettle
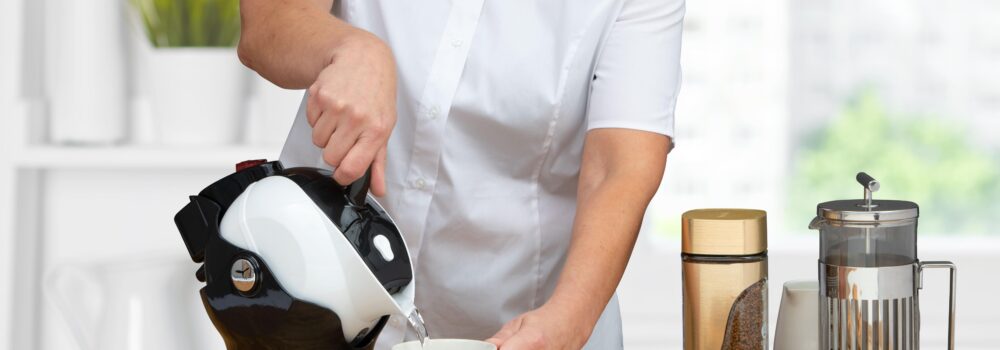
[{"x": 291, "y": 259}]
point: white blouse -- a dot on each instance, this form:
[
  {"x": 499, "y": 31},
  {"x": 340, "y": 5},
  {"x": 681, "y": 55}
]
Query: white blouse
[{"x": 494, "y": 101}]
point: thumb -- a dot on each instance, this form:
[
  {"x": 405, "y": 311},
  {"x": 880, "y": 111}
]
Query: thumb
[
  {"x": 506, "y": 332},
  {"x": 525, "y": 339},
  {"x": 378, "y": 173}
]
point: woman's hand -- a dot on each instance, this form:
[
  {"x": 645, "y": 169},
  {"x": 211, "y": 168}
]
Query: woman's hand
[
  {"x": 548, "y": 327},
  {"x": 352, "y": 108}
]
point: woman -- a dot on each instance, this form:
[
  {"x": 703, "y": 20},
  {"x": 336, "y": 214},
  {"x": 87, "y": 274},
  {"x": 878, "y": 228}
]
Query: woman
[{"x": 516, "y": 143}]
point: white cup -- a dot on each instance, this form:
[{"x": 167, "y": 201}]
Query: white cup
[
  {"x": 446, "y": 344},
  {"x": 798, "y": 316}
]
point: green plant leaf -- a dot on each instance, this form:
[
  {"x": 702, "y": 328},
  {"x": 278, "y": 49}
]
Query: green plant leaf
[{"x": 190, "y": 23}]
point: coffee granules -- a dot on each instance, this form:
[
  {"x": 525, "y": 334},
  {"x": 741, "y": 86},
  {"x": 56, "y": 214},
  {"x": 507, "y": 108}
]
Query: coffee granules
[{"x": 746, "y": 328}]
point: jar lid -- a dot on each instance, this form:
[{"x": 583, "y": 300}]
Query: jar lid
[
  {"x": 859, "y": 211},
  {"x": 724, "y": 232}
]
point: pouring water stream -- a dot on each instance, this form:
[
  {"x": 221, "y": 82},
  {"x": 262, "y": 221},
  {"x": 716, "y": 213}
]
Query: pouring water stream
[{"x": 416, "y": 322}]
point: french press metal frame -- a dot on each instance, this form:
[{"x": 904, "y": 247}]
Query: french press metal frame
[{"x": 875, "y": 307}]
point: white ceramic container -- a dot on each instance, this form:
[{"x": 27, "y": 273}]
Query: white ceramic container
[
  {"x": 150, "y": 304},
  {"x": 798, "y": 321},
  {"x": 196, "y": 95},
  {"x": 11, "y": 32},
  {"x": 85, "y": 70}
]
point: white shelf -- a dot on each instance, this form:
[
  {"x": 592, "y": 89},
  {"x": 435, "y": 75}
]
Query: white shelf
[{"x": 139, "y": 157}]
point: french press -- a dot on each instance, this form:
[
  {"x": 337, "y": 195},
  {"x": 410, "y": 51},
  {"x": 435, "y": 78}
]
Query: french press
[{"x": 869, "y": 274}]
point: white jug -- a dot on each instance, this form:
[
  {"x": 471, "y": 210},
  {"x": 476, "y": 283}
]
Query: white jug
[{"x": 147, "y": 304}]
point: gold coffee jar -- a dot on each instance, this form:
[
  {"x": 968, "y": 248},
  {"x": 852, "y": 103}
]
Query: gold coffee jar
[{"x": 724, "y": 254}]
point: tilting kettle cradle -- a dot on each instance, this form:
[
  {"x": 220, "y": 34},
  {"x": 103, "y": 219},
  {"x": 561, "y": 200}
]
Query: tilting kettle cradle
[{"x": 291, "y": 259}]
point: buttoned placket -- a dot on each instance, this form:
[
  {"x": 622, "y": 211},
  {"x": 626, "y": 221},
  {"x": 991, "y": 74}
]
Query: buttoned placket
[{"x": 434, "y": 104}]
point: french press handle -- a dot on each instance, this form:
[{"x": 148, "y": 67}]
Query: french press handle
[{"x": 951, "y": 295}]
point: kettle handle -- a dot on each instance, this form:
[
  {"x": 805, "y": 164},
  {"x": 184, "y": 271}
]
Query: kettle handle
[
  {"x": 953, "y": 272},
  {"x": 358, "y": 190}
]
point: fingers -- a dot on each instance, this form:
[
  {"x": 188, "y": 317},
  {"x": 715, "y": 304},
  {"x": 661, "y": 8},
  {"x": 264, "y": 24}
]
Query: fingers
[
  {"x": 322, "y": 130},
  {"x": 378, "y": 173},
  {"x": 313, "y": 110},
  {"x": 357, "y": 160},
  {"x": 506, "y": 332},
  {"x": 341, "y": 142},
  {"x": 495, "y": 341},
  {"x": 351, "y": 123},
  {"x": 323, "y": 101}
]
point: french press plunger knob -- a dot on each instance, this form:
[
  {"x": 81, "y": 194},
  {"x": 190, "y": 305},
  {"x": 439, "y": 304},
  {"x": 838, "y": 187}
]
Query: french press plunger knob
[{"x": 870, "y": 185}]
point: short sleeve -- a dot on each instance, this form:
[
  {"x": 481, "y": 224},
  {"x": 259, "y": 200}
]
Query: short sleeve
[{"x": 637, "y": 74}]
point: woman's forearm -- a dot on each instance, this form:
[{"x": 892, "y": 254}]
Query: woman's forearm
[
  {"x": 290, "y": 41},
  {"x": 616, "y": 185}
]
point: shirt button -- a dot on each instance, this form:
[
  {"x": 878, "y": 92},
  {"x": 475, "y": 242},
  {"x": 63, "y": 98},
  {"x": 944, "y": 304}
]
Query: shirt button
[
  {"x": 433, "y": 113},
  {"x": 420, "y": 184},
  {"x": 456, "y": 43}
]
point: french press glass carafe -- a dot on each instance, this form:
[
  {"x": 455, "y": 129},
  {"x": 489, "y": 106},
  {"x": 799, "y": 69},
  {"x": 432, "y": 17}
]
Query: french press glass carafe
[{"x": 869, "y": 274}]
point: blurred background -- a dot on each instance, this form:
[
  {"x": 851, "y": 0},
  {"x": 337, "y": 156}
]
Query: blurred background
[{"x": 113, "y": 111}]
